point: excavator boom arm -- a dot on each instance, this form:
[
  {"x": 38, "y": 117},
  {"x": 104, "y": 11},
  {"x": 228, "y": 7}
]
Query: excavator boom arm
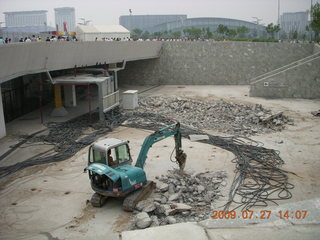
[{"x": 159, "y": 135}]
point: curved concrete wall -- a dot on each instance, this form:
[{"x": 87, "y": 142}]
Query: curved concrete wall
[
  {"x": 24, "y": 58},
  {"x": 212, "y": 62}
]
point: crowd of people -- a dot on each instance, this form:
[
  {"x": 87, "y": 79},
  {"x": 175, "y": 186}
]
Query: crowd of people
[
  {"x": 35, "y": 38},
  {"x": 147, "y": 39},
  {"x": 53, "y": 38},
  {"x": 4, "y": 41}
]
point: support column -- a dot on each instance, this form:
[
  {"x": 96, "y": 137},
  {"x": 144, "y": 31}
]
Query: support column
[
  {"x": 70, "y": 98},
  {"x": 59, "y": 110},
  {"x": 116, "y": 80},
  {"x": 101, "y": 94},
  {"x": 3, "y": 132}
]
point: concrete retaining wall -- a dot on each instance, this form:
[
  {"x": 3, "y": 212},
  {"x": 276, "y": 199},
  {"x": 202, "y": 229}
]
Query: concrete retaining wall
[
  {"x": 302, "y": 81},
  {"x": 212, "y": 62}
]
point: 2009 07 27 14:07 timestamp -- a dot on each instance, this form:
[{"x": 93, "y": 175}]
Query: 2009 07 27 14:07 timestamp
[{"x": 263, "y": 214}]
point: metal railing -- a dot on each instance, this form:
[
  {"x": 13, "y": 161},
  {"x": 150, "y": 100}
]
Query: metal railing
[
  {"x": 110, "y": 101},
  {"x": 285, "y": 68}
]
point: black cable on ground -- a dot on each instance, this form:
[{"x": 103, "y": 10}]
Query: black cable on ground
[
  {"x": 14, "y": 147},
  {"x": 258, "y": 178},
  {"x": 64, "y": 137}
]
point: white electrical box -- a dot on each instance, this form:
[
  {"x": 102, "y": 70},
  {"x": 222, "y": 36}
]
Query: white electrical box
[{"x": 130, "y": 99}]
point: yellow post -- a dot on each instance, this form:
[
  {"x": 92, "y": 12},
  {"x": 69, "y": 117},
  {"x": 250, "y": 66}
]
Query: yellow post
[{"x": 57, "y": 96}]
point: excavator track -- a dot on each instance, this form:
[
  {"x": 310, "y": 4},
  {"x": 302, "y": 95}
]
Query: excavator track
[
  {"x": 98, "y": 200},
  {"x": 131, "y": 200}
]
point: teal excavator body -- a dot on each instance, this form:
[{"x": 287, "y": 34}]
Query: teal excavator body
[{"x": 110, "y": 168}]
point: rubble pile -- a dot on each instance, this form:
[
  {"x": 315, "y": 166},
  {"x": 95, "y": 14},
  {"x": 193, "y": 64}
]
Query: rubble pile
[
  {"x": 225, "y": 117},
  {"x": 179, "y": 198}
]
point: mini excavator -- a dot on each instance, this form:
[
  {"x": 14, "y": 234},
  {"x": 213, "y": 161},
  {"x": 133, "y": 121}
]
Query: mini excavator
[{"x": 111, "y": 171}]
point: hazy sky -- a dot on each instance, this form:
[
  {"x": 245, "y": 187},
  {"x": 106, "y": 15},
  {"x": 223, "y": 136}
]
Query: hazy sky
[{"x": 108, "y": 12}]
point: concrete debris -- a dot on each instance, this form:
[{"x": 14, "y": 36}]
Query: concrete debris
[
  {"x": 143, "y": 220},
  {"x": 226, "y": 117},
  {"x": 174, "y": 196},
  {"x": 181, "y": 207},
  {"x": 155, "y": 221},
  {"x": 163, "y": 187},
  {"x": 171, "y": 220},
  {"x": 146, "y": 206},
  {"x": 185, "y": 198},
  {"x": 316, "y": 113},
  {"x": 271, "y": 118}
]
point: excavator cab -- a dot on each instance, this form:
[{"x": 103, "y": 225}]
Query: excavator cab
[{"x": 111, "y": 152}]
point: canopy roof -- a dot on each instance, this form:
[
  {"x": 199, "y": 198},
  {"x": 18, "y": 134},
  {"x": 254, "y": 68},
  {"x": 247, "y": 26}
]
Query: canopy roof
[{"x": 102, "y": 29}]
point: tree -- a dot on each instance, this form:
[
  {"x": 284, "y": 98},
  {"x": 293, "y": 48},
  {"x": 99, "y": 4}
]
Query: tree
[
  {"x": 176, "y": 34},
  {"x": 254, "y": 33},
  {"x": 315, "y": 16},
  {"x": 272, "y": 29},
  {"x": 145, "y": 35},
  {"x": 294, "y": 34},
  {"x": 206, "y": 33},
  {"x": 157, "y": 34},
  {"x": 241, "y": 31},
  {"x": 165, "y": 34},
  {"x": 136, "y": 33},
  {"x": 222, "y": 29},
  {"x": 231, "y": 33},
  {"x": 192, "y": 33}
]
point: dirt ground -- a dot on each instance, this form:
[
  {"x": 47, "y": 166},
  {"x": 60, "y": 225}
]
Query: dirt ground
[{"x": 52, "y": 201}]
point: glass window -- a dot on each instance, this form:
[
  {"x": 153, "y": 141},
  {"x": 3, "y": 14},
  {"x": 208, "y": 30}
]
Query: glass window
[
  {"x": 99, "y": 157},
  {"x": 123, "y": 153}
]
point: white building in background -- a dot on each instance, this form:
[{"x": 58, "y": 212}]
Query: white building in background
[
  {"x": 296, "y": 21},
  {"x": 91, "y": 33},
  {"x": 26, "y": 18},
  {"x": 65, "y": 14}
]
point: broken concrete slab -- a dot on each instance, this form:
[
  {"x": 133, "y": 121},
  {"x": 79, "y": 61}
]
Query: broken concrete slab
[
  {"x": 181, "y": 207},
  {"x": 185, "y": 231},
  {"x": 174, "y": 196},
  {"x": 163, "y": 187},
  {"x": 146, "y": 205}
]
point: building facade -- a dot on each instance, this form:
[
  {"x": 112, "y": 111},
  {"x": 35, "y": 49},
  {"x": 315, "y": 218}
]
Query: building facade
[
  {"x": 26, "y": 18},
  {"x": 161, "y": 23},
  {"x": 65, "y": 15},
  {"x": 254, "y": 29},
  {"x": 296, "y": 21},
  {"x": 145, "y": 22}
]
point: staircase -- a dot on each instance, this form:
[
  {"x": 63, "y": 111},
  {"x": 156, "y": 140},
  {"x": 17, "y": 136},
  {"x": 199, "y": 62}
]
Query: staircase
[{"x": 285, "y": 68}]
